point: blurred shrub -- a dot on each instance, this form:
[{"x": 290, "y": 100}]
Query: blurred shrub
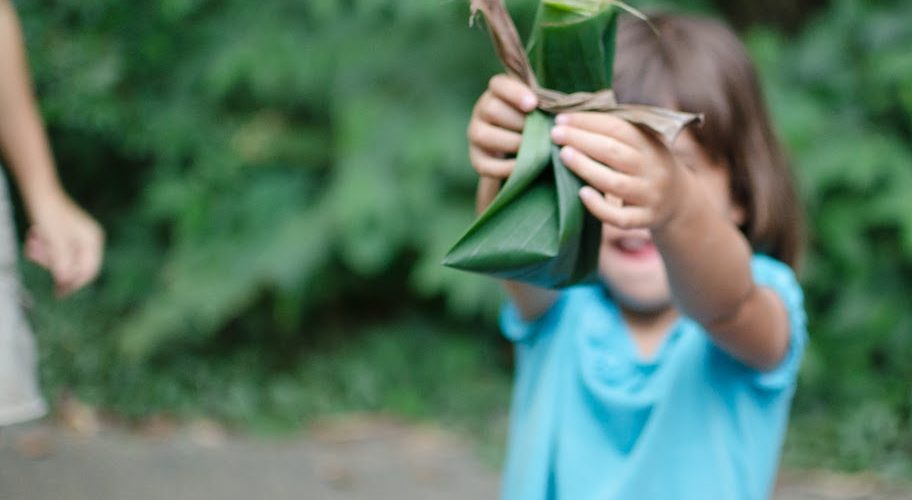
[
  {"x": 248, "y": 155},
  {"x": 276, "y": 173},
  {"x": 842, "y": 96},
  {"x": 271, "y": 175}
]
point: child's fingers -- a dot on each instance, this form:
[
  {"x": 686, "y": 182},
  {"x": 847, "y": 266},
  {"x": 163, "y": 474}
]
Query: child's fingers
[
  {"x": 490, "y": 166},
  {"x": 513, "y": 92},
  {"x": 632, "y": 190},
  {"x": 488, "y": 137},
  {"x": 604, "y": 149},
  {"x": 605, "y": 124},
  {"x": 497, "y": 112},
  {"x": 609, "y": 212}
]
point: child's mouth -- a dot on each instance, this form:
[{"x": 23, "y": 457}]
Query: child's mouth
[{"x": 636, "y": 247}]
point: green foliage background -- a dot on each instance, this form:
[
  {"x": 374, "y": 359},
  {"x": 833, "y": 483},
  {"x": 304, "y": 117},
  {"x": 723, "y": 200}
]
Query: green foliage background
[{"x": 279, "y": 181}]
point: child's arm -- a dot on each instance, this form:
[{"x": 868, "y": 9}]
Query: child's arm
[
  {"x": 63, "y": 238},
  {"x": 707, "y": 258},
  {"x": 495, "y": 133}
]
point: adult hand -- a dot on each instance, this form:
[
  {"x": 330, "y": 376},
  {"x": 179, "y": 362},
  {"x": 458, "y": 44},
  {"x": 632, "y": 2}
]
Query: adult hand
[{"x": 66, "y": 241}]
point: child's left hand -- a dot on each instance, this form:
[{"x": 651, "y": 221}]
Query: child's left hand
[{"x": 639, "y": 187}]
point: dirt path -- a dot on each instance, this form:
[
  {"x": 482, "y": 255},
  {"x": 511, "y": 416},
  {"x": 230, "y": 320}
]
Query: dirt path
[{"x": 352, "y": 459}]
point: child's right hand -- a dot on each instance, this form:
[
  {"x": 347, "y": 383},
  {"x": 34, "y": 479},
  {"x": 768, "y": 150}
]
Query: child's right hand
[{"x": 495, "y": 131}]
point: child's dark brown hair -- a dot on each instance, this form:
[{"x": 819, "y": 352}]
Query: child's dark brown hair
[{"x": 699, "y": 65}]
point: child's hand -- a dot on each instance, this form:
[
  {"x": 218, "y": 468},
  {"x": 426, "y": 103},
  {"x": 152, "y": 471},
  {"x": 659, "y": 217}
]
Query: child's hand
[
  {"x": 632, "y": 177},
  {"x": 66, "y": 241},
  {"x": 495, "y": 131}
]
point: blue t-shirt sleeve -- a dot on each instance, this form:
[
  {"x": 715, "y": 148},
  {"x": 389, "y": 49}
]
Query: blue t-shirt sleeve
[{"x": 778, "y": 277}]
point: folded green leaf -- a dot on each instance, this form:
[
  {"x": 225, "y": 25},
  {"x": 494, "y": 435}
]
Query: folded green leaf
[{"x": 537, "y": 230}]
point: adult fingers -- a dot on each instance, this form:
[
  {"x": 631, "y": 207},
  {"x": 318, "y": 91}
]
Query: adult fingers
[
  {"x": 61, "y": 262},
  {"x": 490, "y": 166},
  {"x": 609, "y": 212},
  {"x": 605, "y": 124},
  {"x": 36, "y": 250},
  {"x": 89, "y": 257},
  {"x": 632, "y": 190},
  {"x": 51, "y": 254},
  {"x": 602, "y": 148},
  {"x": 66, "y": 272},
  {"x": 513, "y": 92}
]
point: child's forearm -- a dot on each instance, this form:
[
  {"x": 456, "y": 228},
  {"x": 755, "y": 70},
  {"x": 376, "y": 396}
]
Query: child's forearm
[
  {"x": 23, "y": 140},
  {"x": 531, "y": 301},
  {"x": 708, "y": 264},
  {"x": 487, "y": 190},
  {"x": 707, "y": 259}
]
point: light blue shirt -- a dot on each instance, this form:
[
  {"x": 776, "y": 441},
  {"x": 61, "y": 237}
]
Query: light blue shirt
[{"x": 591, "y": 419}]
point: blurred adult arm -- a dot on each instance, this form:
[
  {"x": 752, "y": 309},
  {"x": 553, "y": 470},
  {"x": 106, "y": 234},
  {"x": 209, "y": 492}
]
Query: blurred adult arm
[{"x": 63, "y": 238}]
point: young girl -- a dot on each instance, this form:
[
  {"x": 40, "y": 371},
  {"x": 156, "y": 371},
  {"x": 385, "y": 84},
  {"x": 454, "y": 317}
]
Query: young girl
[
  {"x": 63, "y": 238},
  {"x": 673, "y": 378}
]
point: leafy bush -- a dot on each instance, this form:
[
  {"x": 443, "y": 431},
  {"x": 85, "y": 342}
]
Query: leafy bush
[
  {"x": 842, "y": 94},
  {"x": 269, "y": 175},
  {"x": 284, "y": 152}
]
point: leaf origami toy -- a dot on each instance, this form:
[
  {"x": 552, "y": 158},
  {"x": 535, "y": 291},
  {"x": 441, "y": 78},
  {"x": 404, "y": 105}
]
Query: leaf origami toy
[{"x": 537, "y": 230}]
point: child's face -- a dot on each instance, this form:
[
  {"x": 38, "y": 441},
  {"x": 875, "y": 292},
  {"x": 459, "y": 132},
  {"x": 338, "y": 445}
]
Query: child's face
[{"x": 630, "y": 265}]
